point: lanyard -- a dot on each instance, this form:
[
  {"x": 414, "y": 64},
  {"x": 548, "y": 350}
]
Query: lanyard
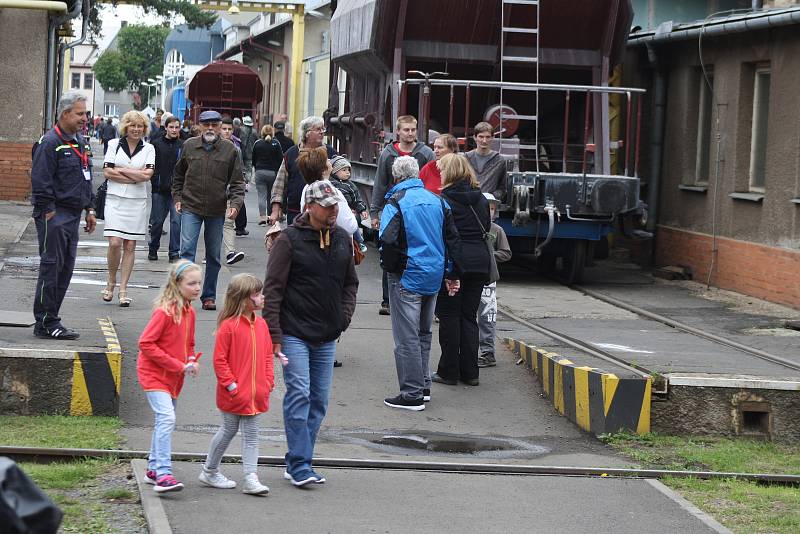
[{"x": 82, "y": 155}]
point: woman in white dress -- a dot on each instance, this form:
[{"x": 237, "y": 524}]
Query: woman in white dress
[{"x": 128, "y": 166}]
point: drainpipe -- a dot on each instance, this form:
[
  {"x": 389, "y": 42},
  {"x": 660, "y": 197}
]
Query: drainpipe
[
  {"x": 656, "y": 137},
  {"x": 63, "y": 47},
  {"x": 285, "y": 70},
  {"x": 52, "y": 59},
  {"x": 60, "y": 7}
]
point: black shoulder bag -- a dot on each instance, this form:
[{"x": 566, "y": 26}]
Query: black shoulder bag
[{"x": 488, "y": 238}]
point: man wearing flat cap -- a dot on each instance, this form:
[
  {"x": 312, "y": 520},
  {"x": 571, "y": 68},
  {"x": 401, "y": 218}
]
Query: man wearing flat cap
[
  {"x": 207, "y": 176},
  {"x": 310, "y": 295}
]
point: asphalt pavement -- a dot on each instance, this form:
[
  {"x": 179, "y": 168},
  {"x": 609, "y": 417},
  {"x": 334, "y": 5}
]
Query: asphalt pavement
[{"x": 505, "y": 419}]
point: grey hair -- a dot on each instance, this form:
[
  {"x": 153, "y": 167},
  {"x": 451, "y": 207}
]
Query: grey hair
[
  {"x": 67, "y": 101},
  {"x": 405, "y": 167},
  {"x": 309, "y": 123},
  {"x": 237, "y": 121}
]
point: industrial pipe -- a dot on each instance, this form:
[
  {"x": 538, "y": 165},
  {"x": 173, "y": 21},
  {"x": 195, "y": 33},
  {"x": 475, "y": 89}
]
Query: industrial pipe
[
  {"x": 85, "y": 9},
  {"x": 656, "y": 138},
  {"x": 756, "y": 21},
  {"x": 59, "y": 7}
]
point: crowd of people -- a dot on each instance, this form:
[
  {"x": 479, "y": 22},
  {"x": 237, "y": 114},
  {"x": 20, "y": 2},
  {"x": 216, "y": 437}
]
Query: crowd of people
[{"x": 432, "y": 211}]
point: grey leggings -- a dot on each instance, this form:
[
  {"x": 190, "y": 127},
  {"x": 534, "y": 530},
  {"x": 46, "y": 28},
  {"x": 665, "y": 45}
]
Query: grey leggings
[
  {"x": 223, "y": 437},
  {"x": 264, "y": 182}
]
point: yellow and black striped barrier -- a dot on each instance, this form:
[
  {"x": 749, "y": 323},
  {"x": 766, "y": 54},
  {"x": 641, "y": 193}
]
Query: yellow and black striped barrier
[
  {"x": 597, "y": 401},
  {"x": 96, "y": 377}
]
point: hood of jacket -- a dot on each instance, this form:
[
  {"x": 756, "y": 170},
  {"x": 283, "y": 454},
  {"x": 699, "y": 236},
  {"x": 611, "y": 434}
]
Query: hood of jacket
[
  {"x": 463, "y": 193},
  {"x": 408, "y": 183},
  {"x": 417, "y": 148}
]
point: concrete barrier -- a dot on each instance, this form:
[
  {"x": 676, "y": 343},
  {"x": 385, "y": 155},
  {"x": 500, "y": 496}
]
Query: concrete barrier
[
  {"x": 597, "y": 401},
  {"x": 37, "y": 381}
]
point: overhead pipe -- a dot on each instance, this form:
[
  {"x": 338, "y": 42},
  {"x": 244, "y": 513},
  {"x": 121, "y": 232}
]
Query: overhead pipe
[
  {"x": 60, "y": 7},
  {"x": 757, "y": 21},
  {"x": 85, "y": 9}
]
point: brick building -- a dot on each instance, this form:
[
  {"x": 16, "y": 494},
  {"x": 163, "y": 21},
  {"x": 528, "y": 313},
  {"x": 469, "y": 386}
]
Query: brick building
[{"x": 724, "y": 170}]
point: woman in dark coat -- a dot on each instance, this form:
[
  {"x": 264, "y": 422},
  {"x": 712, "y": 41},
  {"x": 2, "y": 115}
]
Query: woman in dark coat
[{"x": 458, "y": 324}]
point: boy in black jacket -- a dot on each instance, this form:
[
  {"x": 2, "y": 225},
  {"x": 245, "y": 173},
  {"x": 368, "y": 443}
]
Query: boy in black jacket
[{"x": 168, "y": 150}]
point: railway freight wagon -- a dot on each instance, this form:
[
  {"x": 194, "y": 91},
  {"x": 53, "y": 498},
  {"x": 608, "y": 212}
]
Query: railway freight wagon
[
  {"x": 228, "y": 87},
  {"x": 538, "y": 70}
]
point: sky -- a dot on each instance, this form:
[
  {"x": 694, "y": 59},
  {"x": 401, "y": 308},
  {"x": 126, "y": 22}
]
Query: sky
[{"x": 112, "y": 18}]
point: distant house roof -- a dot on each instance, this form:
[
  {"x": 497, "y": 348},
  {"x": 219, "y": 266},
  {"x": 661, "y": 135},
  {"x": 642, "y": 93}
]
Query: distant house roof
[{"x": 198, "y": 45}]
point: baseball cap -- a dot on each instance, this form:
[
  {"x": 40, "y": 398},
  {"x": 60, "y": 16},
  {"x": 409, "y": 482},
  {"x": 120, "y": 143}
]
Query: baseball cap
[
  {"x": 247, "y": 120},
  {"x": 280, "y": 125},
  {"x": 323, "y": 193},
  {"x": 338, "y": 163},
  {"x": 210, "y": 116}
]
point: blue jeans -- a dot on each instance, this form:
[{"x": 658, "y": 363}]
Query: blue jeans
[
  {"x": 412, "y": 315},
  {"x": 308, "y": 383},
  {"x": 212, "y": 236},
  {"x": 163, "y": 405},
  {"x": 163, "y": 205}
]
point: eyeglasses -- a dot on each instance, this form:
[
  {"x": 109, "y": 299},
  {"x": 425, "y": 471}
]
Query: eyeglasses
[{"x": 320, "y": 130}]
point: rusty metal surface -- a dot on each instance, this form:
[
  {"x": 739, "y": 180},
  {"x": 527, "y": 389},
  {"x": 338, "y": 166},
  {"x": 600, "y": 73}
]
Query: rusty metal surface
[{"x": 207, "y": 83}]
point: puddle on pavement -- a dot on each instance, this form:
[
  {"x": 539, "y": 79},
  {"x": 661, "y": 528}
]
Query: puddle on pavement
[{"x": 438, "y": 443}]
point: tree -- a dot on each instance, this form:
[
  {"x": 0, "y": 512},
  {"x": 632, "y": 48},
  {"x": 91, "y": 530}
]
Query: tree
[
  {"x": 139, "y": 56},
  {"x": 193, "y": 15},
  {"x": 110, "y": 71}
]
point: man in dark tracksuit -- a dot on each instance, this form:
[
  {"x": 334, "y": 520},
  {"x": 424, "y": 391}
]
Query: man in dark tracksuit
[
  {"x": 61, "y": 180},
  {"x": 168, "y": 151}
]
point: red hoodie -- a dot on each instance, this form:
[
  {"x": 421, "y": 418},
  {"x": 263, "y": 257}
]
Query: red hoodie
[
  {"x": 164, "y": 348},
  {"x": 431, "y": 177},
  {"x": 243, "y": 354}
]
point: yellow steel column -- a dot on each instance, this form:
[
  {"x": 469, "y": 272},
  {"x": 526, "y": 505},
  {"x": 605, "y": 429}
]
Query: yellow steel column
[{"x": 298, "y": 33}]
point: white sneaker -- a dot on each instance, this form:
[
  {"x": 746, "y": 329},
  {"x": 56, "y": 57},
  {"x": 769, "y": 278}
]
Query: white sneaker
[
  {"x": 252, "y": 486},
  {"x": 216, "y": 480}
]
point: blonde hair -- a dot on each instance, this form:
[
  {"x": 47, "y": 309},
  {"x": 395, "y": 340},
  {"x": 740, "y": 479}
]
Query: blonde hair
[
  {"x": 237, "y": 296},
  {"x": 266, "y": 132},
  {"x": 133, "y": 117},
  {"x": 169, "y": 298},
  {"x": 455, "y": 168}
]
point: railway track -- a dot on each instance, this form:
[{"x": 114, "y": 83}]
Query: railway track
[
  {"x": 632, "y": 367},
  {"x": 50, "y": 455}
]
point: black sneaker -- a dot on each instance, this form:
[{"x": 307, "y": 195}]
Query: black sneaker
[
  {"x": 337, "y": 363},
  {"x": 174, "y": 259},
  {"x": 55, "y": 332},
  {"x": 152, "y": 256},
  {"x": 384, "y": 309},
  {"x": 426, "y": 395},
  {"x": 416, "y": 405},
  {"x": 234, "y": 257},
  {"x": 440, "y": 380},
  {"x": 486, "y": 360},
  {"x": 242, "y": 232}
]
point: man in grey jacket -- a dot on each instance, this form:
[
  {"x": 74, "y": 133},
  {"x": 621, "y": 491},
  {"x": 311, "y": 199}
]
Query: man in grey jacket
[
  {"x": 489, "y": 165},
  {"x": 406, "y": 145}
]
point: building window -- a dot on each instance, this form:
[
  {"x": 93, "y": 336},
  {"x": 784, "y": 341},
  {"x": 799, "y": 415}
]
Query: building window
[
  {"x": 758, "y": 134},
  {"x": 705, "y": 108},
  {"x": 88, "y": 80},
  {"x": 76, "y": 80},
  {"x": 110, "y": 110}
]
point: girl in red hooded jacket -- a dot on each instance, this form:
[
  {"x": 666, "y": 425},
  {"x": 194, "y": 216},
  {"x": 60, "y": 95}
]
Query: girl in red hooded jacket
[
  {"x": 243, "y": 365},
  {"x": 166, "y": 354}
]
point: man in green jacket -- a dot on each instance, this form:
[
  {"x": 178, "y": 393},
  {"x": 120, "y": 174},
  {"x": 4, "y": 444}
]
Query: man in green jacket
[{"x": 207, "y": 176}]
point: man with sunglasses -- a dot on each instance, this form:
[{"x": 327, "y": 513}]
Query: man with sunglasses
[{"x": 289, "y": 182}]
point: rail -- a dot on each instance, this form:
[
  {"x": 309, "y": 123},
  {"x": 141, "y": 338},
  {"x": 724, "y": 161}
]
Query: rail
[
  {"x": 629, "y": 142},
  {"x": 58, "y": 454}
]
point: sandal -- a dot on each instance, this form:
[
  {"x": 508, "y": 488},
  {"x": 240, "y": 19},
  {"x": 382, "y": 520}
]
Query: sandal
[
  {"x": 124, "y": 300},
  {"x": 108, "y": 294}
]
